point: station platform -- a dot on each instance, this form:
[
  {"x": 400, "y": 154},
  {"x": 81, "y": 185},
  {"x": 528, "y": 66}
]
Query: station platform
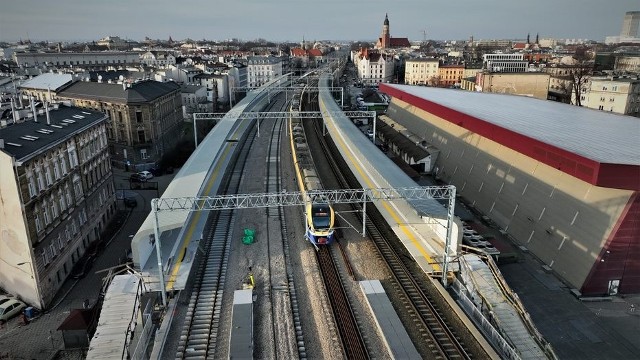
[
  {"x": 420, "y": 225},
  {"x": 241, "y": 340},
  {"x": 394, "y": 335},
  {"x": 505, "y": 316}
]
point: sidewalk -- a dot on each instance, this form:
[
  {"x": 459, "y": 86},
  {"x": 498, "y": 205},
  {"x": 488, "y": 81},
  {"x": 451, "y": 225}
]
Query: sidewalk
[{"x": 40, "y": 338}]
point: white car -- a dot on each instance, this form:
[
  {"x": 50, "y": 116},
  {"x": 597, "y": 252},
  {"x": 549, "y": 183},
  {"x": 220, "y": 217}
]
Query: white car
[
  {"x": 5, "y": 298},
  {"x": 11, "y": 308},
  {"x": 146, "y": 174}
]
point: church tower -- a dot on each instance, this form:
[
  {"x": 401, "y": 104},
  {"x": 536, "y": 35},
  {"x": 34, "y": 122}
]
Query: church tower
[{"x": 385, "y": 39}]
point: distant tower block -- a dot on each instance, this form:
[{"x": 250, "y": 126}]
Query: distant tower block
[{"x": 630, "y": 24}]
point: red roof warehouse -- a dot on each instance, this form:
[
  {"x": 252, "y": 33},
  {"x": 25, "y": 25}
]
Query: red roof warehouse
[{"x": 561, "y": 180}]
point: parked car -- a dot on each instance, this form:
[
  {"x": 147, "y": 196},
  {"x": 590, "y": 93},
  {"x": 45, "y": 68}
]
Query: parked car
[
  {"x": 146, "y": 174},
  {"x": 82, "y": 267},
  {"x": 137, "y": 178},
  {"x": 10, "y": 309},
  {"x": 130, "y": 202},
  {"x": 156, "y": 171},
  {"x": 5, "y": 298}
]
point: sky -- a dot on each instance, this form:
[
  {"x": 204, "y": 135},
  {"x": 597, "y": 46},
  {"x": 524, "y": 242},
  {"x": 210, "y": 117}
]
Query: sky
[{"x": 291, "y": 20}]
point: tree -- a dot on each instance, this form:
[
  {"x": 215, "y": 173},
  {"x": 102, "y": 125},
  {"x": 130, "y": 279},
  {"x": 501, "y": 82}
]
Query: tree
[{"x": 580, "y": 73}]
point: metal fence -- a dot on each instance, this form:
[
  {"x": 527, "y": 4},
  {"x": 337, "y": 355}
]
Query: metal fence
[{"x": 500, "y": 343}]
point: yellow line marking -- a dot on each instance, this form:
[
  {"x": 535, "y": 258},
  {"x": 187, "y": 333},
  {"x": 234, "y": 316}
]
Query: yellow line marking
[
  {"x": 196, "y": 218},
  {"x": 405, "y": 229}
]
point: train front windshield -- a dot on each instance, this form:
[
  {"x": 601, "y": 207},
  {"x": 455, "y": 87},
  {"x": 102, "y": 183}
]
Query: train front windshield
[{"x": 321, "y": 216}]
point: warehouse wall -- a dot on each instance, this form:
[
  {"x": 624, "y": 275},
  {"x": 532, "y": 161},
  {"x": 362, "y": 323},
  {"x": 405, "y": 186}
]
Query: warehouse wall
[{"x": 564, "y": 221}]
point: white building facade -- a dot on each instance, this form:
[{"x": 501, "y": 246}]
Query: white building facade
[
  {"x": 504, "y": 62},
  {"x": 618, "y": 95},
  {"x": 262, "y": 69},
  {"x": 421, "y": 71}
]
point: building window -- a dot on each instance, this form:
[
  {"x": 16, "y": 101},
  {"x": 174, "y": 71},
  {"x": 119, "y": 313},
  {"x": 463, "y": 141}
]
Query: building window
[
  {"x": 56, "y": 169},
  {"x": 52, "y": 251},
  {"x": 68, "y": 195},
  {"x": 45, "y": 257},
  {"x": 139, "y": 117},
  {"x": 45, "y": 211},
  {"x": 32, "y": 185},
  {"x": 73, "y": 158},
  {"x": 141, "y": 137},
  {"x": 63, "y": 164},
  {"x": 60, "y": 242},
  {"x": 40, "y": 179},
  {"x": 54, "y": 209},
  {"x": 63, "y": 204},
  {"x": 143, "y": 154},
  {"x": 47, "y": 172},
  {"x": 38, "y": 225},
  {"x": 77, "y": 187}
]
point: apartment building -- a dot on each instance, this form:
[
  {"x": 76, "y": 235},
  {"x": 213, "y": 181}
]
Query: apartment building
[
  {"x": 450, "y": 75},
  {"x": 531, "y": 84},
  {"x": 158, "y": 58},
  {"x": 57, "y": 197},
  {"x": 95, "y": 59},
  {"x": 618, "y": 95},
  {"x": 262, "y": 69},
  {"x": 504, "y": 62},
  {"x": 421, "y": 71},
  {"x": 145, "y": 118},
  {"x": 374, "y": 67}
]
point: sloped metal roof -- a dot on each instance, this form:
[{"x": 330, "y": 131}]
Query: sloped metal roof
[
  {"x": 48, "y": 81},
  {"x": 598, "y": 135},
  {"x": 139, "y": 92}
]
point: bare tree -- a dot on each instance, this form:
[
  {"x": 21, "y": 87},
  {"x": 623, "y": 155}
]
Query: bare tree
[{"x": 581, "y": 73}]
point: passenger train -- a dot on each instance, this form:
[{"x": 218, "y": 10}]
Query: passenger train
[{"x": 319, "y": 214}]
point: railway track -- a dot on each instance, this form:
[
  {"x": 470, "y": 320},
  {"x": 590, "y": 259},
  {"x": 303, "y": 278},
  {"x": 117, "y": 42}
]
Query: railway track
[
  {"x": 353, "y": 343},
  {"x": 442, "y": 341},
  {"x": 198, "y": 338},
  {"x": 288, "y": 338},
  {"x": 200, "y": 326}
]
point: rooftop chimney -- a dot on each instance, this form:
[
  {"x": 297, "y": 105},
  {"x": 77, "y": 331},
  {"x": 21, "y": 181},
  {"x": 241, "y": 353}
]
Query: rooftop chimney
[
  {"x": 13, "y": 111},
  {"x": 33, "y": 109},
  {"x": 46, "y": 108}
]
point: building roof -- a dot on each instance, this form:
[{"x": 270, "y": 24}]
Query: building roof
[
  {"x": 119, "y": 311},
  {"x": 575, "y": 140},
  {"x": 298, "y": 52},
  {"x": 399, "y": 42},
  {"x": 65, "y": 123},
  {"x": 47, "y": 81},
  {"x": 140, "y": 92},
  {"x": 423, "y": 60},
  {"x": 191, "y": 89},
  {"x": 315, "y": 52},
  {"x": 78, "y": 319}
]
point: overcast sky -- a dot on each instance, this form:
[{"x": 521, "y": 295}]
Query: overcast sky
[{"x": 281, "y": 20}]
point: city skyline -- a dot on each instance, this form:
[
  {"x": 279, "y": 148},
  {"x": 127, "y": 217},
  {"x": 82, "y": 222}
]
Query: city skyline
[{"x": 76, "y": 20}]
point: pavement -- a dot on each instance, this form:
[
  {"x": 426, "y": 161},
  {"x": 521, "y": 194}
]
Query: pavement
[
  {"x": 596, "y": 328},
  {"x": 40, "y": 339}
]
